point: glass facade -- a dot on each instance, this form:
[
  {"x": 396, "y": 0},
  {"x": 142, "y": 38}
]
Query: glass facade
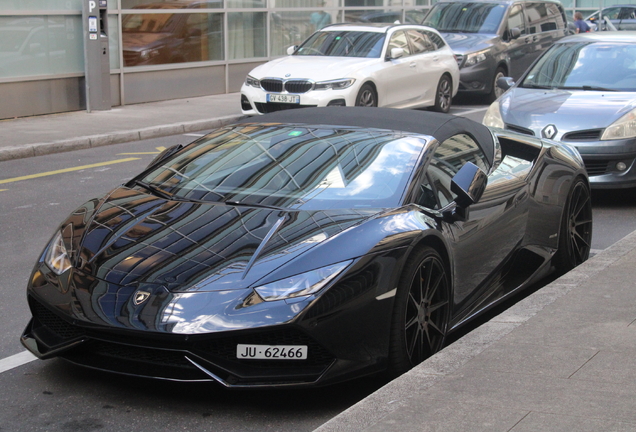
[{"x": 43, "y": 38}]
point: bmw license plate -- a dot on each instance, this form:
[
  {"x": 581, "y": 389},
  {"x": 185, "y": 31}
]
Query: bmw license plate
[
  {"x": 271, "y": 352},
  {"x": 283, "y": 98}
]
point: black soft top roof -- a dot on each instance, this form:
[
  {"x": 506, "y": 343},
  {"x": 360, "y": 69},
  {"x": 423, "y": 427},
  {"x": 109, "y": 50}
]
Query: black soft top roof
[{"x": 437, "y": 125}]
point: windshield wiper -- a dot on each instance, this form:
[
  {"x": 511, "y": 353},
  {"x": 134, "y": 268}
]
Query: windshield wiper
[
  {"x": 271, "y": 207},
  {"x": 155, "y": 190},
  {"x": 535, "y": 86},
  {"x": 588, "y": 88}
]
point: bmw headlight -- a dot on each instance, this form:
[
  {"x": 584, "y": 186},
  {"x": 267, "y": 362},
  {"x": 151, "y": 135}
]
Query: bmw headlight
[
  {"x": 252, "y": 82},
  {"x": 475, "y": 58},
  {"x": 338, "y": 84},
  {"x": 624, "y": 127},
  {"x": 493, "y": 116},
  {"x": 56, "y": 256},
  {"x": 301, "y": 285}
]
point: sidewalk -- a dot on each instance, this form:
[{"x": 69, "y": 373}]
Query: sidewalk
[
  {"x": 54, "y": 133},
  {"x": 563, "y": 359}
]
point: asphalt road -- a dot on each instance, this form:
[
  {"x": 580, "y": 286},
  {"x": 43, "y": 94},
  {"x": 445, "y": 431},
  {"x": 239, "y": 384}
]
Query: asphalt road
[{"x": 54, "y": 396}]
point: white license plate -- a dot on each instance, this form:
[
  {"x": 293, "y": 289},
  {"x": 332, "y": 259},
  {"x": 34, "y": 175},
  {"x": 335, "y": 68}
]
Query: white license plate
[
  {"x": 283, "y": 98},
  {"x": 271, "y": 352}
]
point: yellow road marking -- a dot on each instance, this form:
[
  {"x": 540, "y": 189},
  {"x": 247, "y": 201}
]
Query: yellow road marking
[
  {"x": 2, "y": 190},
  {"x": 79, "y": 168},
  {"x": 160, "y": 149}
]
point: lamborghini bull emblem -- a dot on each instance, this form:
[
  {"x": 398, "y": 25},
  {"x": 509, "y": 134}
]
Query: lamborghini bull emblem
[{"x": 140, "y": 297}]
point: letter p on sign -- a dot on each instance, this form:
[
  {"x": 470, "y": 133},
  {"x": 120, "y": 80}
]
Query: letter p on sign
[{"x": 91, "y": 5}]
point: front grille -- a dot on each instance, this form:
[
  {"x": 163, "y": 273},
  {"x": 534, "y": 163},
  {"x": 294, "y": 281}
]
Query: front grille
[
  {"x": 585, "y": 135},
  {"x": 519, "y": 129},
  {"x": 265, "y": 108},
  {"x": 53, "y": 323},
  {"x": 272, "y": 85},
  {"x": 291, "y": 86},
  {"x": 133, "y": 360},
  {"x": 298, "y": 86},
  {"x": 596, "y": 167}
]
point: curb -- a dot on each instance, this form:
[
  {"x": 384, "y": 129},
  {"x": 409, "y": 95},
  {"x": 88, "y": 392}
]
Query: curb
[
  {"x": 80, "y": 143},
  {"x": 394, "y": 395}
]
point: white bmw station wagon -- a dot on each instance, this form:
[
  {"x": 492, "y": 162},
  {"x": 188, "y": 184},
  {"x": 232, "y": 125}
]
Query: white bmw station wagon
[{"x": 387, "y": 65}]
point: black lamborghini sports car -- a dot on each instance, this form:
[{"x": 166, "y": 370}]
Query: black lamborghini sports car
[{"x": 306, "y": 247}]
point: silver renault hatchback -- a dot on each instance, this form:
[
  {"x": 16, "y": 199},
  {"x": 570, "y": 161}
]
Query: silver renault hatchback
[{"x": 582, "y": 91}]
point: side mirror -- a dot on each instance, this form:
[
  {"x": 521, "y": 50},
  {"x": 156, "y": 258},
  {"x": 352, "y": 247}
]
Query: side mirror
[
  {"x": 505, "y": 82},
  {"x": 396, "y": 53},
  {"x": 292, "y": 49},
  {"x": 165, "y": 154},
  {"x": 514, "y": 33},
  {"x": 469, "y": 184}
]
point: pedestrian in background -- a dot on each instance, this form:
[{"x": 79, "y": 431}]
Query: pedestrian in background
[{"x": 581, "y": 26}]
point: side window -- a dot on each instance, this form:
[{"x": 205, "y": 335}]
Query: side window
[
  {"x": 420, "y": 41},
  {"x": 612, "y": 13},
  {"x": 449, "y": 157},
  {"x": 399, "y": 40},
  {"x": 437, "y": 40},
  {"x": 536, "y": 15},
  {"x": 515, "y": 19}
]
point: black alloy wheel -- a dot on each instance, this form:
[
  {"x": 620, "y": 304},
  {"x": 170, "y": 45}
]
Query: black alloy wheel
[
  {"x": 576, "y": 229},
  {"x": 367, "y": 97},
  {"x": 444, "y": 95},
  {"x": 421, "y": 311}
]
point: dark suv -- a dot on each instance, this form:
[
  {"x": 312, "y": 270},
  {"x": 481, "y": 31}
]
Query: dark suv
[{"x": 495, "y": 38}]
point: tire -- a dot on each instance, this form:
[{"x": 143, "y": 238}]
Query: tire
[
  {"x": 421, "y": 311},
  {"x": 367, "y": 96},
  {"x": 444, "y": 95},
  {"x": 495, "y": 92},
  {"x": 576, "y": 229}
]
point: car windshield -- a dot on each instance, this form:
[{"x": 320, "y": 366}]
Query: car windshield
[
  {"x": 343, "y": 44},
  {"x": 585, "y": 66},
  {"x": 465, "y": 17},
  {"x": 300, "y": 167}
]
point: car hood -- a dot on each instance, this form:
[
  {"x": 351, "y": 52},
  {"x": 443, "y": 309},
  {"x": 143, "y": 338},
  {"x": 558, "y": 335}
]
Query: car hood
[
  {"x": 463, "y": 43},
  {"x": 568, "y": 110},
  {"x": 312, "y": 67},
  {"x": 133, "y": 238}
]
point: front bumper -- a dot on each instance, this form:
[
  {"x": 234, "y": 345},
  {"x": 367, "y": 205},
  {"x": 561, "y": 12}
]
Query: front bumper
[{"x": 254, "y": 100}]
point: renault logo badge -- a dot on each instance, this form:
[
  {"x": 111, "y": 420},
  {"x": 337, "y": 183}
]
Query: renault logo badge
[
  {"x": 549, "y": 131},
  {"x": 140, "y": 296}
]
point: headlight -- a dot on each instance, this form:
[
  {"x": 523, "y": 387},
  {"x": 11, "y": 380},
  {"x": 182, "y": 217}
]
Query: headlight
[
  {"x": 475, "y": 58},
  {"x": 624, "y": 127},
  {"x": 302, "y": 284},
  {"x": 493, "y": 116},
  {"x": 338, "y": 84},
  {"x": 252, "y": 82},
  {"x": 56, "y": 256},
  {"x": 149, "y": 53}
]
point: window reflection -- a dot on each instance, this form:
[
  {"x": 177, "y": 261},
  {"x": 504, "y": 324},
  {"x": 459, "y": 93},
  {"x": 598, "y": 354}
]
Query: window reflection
[
  {"x": 300, "y": 167},
  {"x": 161, "y": 38},
  {"x": 246, "y": 35},
  {"x": 42, "y": 45}
]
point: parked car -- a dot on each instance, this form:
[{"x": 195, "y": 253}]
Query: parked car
[
  {"x": 307, "y": 247},
  {"x": 621, "y": 17},
  {"x": 581, "y": 92},
  {"x": 363, "y": 64},
  {"x": 496, "y": 38}
]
